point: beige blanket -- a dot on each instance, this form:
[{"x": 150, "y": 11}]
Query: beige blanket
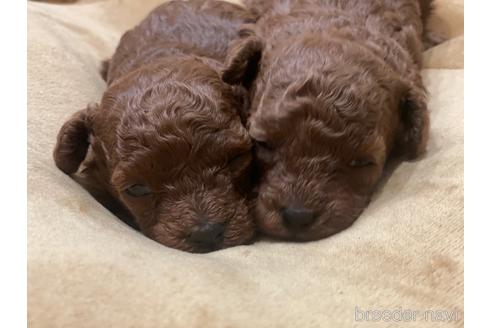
[{"x": 87, "y": 269}]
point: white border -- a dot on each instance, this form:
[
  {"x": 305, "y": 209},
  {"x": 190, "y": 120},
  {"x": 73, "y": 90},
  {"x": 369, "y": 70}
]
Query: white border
[
  {"x": 13, "y": 129},
  {"x": 478, "y": 163}
]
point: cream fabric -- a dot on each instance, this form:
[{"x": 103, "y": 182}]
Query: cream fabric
[{"x": 87, "y": 269}]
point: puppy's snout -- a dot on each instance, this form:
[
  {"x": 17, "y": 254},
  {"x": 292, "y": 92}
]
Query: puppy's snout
[
  {"x": 297, "y": 217},
  {"x": 208, "y": 235}
]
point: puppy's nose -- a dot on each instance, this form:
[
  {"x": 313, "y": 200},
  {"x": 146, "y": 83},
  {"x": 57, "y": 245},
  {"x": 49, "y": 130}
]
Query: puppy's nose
[
  {"x": 297, "y": 218},
  {"x": 208, "y": 235}
]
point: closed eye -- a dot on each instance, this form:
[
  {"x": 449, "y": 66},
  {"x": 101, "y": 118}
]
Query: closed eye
[
  {"x": 138, "y": 190},
  {"x": 263, "y": 145},
  {"x": 358, "y": 163}
]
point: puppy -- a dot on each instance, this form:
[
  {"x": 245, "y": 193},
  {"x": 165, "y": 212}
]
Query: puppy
[
  {"x": 166, "y": 141},
  {"x": 335, "y": 90}
]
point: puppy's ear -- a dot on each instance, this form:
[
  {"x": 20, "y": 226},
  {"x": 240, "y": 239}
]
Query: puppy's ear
[
  {"x": 414, "y": 116},
  {"x": 73, "y": 140},
  {"x": 243, "y": 58},
  {"x": 104, "y": 69},
  {"x": 241, "y": 97}
]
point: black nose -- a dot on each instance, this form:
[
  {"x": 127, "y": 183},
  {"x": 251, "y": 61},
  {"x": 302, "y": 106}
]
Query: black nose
[
  {"x": 208, "y": 235},
  {"x": 297, "y": 218}
]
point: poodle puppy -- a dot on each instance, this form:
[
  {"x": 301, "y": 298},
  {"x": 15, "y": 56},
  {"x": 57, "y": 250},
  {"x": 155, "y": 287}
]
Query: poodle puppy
[
  {"x": 335, "y": 90},
  {"x": 167, "y": 145}
]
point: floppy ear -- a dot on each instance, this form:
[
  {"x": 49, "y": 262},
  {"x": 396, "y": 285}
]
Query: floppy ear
[
  {"x": 241, "y": 96},
  {"x": 242, "y": 60},
  {"x": 414, "y": 116},
  {"x": 73, "y": 140},
  {"x": 104, "y": 69}
]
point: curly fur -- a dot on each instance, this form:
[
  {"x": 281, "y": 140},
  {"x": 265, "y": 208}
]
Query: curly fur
[
  {"x": 337, "y": 81},
  {"x": 167, "y": 121}
]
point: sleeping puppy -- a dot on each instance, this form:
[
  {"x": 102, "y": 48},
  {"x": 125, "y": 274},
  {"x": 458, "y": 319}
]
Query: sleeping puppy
[
  {"x": 167, "y": 144},
  {"x": 336, "y": 91}
]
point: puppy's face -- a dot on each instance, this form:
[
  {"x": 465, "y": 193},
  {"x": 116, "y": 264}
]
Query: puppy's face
[
  {"x": 325, "y": 119},
  {"x": 175, "y": 153}
]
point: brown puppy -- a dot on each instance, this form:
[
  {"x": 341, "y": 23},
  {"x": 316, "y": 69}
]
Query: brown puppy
[
  {"x": 337, "y": 92},
  {"x": 167, "y": 141}
]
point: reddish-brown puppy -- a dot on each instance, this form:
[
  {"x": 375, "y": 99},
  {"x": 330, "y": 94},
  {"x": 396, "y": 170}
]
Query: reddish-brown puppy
[
  {"x": 167, "y": 141},
  {"x": 337, "y": 92}
]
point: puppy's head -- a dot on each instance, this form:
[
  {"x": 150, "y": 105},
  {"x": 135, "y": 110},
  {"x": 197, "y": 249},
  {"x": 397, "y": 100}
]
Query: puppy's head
[
  {"x": 326, "y": 115},
  {"x": 171, "y": 147}
]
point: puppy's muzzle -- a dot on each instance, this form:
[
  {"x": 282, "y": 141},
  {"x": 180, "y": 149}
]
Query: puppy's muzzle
[{"x": 208, "y": 236}]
